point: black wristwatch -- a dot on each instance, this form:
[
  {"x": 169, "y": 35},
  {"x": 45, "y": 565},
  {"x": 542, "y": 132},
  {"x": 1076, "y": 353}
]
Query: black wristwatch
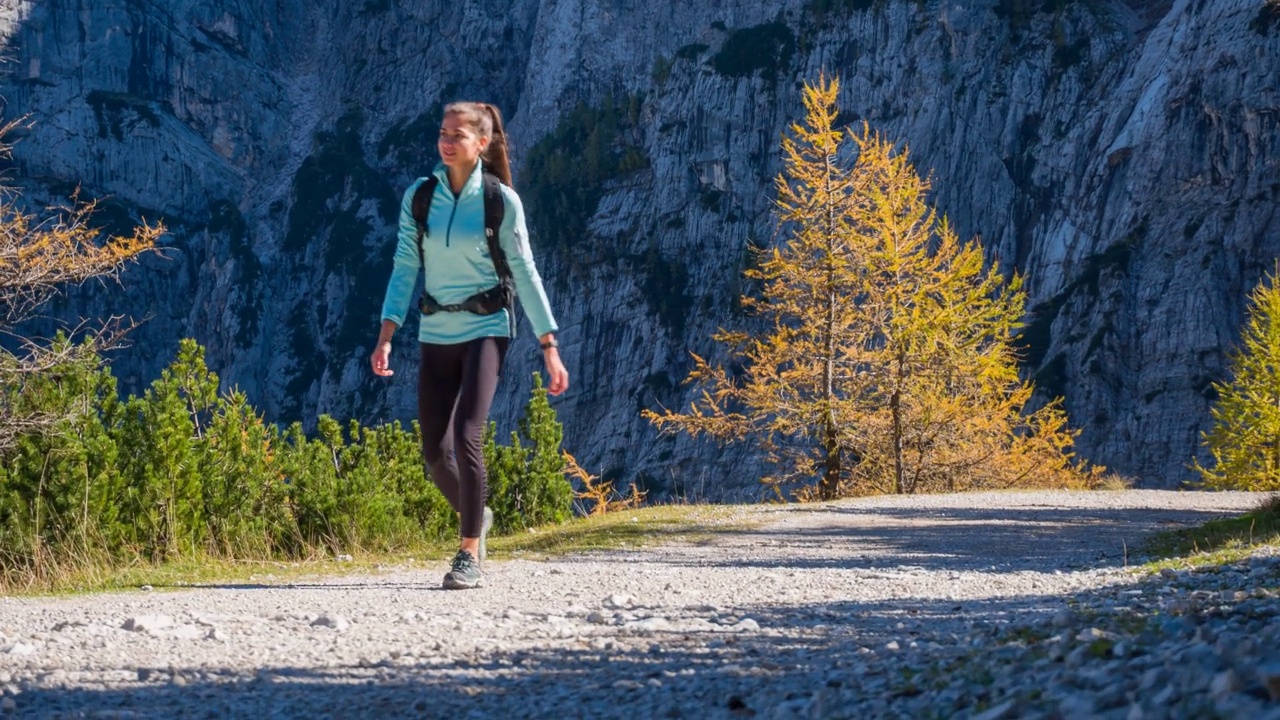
[{"x": 550, "y": 344}]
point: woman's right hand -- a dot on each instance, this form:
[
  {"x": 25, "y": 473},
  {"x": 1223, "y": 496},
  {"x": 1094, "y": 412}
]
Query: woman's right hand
[{"x": 381, "y": 358}]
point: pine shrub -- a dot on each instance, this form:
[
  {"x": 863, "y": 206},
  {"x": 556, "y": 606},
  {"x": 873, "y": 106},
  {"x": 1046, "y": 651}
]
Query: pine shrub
[{"x": 185, "y": 471}]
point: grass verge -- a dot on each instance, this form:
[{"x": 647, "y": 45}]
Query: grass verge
[
  {"x": 641, "y": 527},
  {"x": 1218, "y": 541}
]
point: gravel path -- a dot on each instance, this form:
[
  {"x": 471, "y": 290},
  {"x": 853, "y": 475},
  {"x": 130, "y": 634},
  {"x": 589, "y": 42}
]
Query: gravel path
[{"x": 994, "y": 605}]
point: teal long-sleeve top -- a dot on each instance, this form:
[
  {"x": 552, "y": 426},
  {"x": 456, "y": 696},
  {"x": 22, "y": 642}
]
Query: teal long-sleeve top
[{"x": 457, "y": 265}]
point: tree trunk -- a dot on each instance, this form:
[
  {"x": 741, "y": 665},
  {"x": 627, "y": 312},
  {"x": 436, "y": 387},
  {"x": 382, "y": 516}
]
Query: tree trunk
[
  {"x": 830, "y": 488},
  {"x": 896, "y": 430},
  {"x": 831, "y": 477}
]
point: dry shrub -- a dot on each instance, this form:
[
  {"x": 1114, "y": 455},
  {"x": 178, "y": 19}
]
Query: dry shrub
[{"x": 600, "y": 493}]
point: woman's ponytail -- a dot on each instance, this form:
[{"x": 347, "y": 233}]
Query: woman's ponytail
[{"x": 496, "y": 156}]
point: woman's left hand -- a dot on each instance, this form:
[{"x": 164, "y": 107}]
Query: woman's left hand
[{"x": 557, "y": 376}]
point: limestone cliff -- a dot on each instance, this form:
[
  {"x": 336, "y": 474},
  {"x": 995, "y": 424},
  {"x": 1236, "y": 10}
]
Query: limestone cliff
[{"x": 1124, "y": 156}]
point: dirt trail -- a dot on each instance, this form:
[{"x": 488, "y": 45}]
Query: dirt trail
[{"x": 755, "y": 619}]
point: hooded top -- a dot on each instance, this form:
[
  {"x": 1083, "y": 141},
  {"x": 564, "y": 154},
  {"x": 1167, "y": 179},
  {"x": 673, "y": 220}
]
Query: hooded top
[{"x": 455, "y": 254}]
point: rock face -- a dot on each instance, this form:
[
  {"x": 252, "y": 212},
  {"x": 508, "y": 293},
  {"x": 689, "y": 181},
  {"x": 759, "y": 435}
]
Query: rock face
[{"x": 1123, "y": 156}]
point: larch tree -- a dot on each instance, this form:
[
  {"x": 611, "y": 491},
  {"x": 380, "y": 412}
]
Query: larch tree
[
  {"x": 886, "y": 361},
  {"x": 1245, "y": 437},
  {"x": 38, "y": 257}
]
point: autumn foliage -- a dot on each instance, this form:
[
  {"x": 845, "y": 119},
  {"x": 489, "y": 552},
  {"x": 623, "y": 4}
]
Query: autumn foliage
[
  {"x": 885, "y": 362},
  {"x": 600, "y": 494},
  {"x": 38, "y": 257},
  {"x": 1245, "y": 438}
]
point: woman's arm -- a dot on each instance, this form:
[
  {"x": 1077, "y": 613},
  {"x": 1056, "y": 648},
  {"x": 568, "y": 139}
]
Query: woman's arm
[
  {"x": 404, "y": 276},
  {"x": 514, "y": 238},
  {"x": 406, "y": 265}
]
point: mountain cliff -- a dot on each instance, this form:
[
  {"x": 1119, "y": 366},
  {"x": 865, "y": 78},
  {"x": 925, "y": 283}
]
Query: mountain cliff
[{"x": 1123, "y": 156}]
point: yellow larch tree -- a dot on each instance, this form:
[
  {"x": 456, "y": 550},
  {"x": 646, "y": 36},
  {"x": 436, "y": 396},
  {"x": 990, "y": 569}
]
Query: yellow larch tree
[
  {"x": 886, "y": 361},
  {"x": 39, "y": 256},
  {"x": 1245, "y": 437}
]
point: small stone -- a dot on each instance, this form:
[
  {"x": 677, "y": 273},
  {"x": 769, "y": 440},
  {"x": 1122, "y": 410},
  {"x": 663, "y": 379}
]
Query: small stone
[
  {"x": 618, "y": 601},
  {"x": 649, "y": 625},
  {"x": 145, "y": 588},
  {"x": 1003, "y": 711},
  {"x": 1168, "y": 573},
  {"x": 185, "y": 632},
  {"x": 8, "y": 706},
  {"x": 1269, "y": 674},
  {"x": 1078, "y": 657},
  {"x": 627, "y": 685},
  {"x": 337, "y": 622},
  {"x": 1093, "y": 633},
  {"x": 892, "y": 645},
  {"x": 147, "y": 623},
  {"x": 145, "y": 674},
  {"x": 343, "y": 558},
  {"x": 1165, "y": 697},
  {"x": 1225, "y": 683},
  {"x": 747, "y": 625},
  {"x": 216, "y": 635},
  {"x": 1152, "y": 679},
  {"x": 597, "y": 618},
  {"x": 21, "y": 649},
  {"x": 1078, "y": 706},
  {"x": 1063, "y": 619}
]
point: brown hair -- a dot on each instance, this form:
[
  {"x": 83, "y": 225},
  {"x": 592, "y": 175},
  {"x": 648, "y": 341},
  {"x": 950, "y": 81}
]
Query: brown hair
[{"x": 486, "y": 120}]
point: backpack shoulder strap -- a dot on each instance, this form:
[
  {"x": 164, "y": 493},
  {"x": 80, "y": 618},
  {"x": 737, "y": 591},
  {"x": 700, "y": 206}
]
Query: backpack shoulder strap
[
  {"x": 495, "y": 209},
  {"x": 420, "y": 207}
]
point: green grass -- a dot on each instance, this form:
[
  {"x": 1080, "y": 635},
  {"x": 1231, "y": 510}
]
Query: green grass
[
  {"x": 1217, "y": 541},
  {"x": 658, "y": 524},
  {"x": 647, "y": 526}
]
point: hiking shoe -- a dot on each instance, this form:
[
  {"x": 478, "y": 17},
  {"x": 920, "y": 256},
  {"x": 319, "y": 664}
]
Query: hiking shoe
[
  {"x": 484, "y": 531},
  {"x": 464, "y": 573}
]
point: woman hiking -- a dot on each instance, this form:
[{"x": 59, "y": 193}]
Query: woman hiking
[{"x": 467, "y": 319}]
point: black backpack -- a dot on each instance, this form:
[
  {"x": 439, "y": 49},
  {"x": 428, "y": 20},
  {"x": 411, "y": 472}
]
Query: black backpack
[{"x": 490, "y": 301}]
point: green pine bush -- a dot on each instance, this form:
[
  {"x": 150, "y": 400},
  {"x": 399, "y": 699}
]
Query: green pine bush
[{"x": 184, "y": 471}]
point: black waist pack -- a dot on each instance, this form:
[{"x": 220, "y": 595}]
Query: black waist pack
[{"x": 491, "y": 301}]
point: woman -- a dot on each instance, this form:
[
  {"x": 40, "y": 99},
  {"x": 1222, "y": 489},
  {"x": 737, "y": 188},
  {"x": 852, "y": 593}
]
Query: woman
[{"x": 462, "y": 343}]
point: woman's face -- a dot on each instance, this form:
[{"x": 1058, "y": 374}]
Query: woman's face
[{"x": 460, "y": 145}]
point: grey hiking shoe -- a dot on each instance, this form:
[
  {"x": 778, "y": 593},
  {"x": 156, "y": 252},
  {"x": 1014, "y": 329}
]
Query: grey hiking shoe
[
  {"x": 464, "y": 573},
  {"x": 484, "y": 531}
]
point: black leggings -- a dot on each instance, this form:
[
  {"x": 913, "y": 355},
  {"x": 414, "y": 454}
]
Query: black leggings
[{"x": 455, "y": 390}]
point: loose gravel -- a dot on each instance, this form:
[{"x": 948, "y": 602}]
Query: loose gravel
[{"x": 992, "y": 606}]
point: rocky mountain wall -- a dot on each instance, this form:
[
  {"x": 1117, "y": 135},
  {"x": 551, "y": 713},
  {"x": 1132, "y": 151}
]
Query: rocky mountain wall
[{"x": 1123, "y": 156}]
